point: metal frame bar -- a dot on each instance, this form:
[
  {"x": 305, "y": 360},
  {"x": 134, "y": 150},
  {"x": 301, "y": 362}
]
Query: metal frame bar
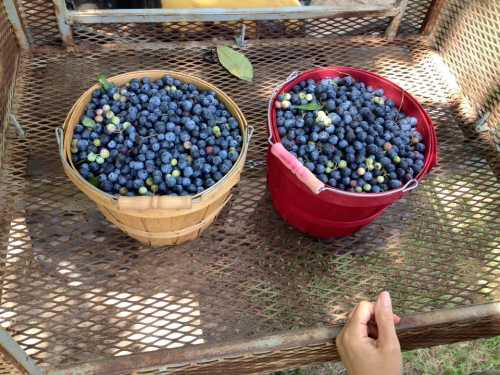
[
  {"x": 432, "y": 16},
  {"x": 62, "y": 22},
  {"x": 343, "y": 9},
  {"x": 223, "y": 14},
  {"x": 393, "y": 28},
  {"x": 17, "y": 25},
  {"x": 5, "y": 121},
  {"x": 280, "y": 351},
  {"x": 17, "y": 354}
]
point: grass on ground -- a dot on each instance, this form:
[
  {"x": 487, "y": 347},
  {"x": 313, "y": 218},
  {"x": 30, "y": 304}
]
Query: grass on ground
[{"x": 456, "y": 359}]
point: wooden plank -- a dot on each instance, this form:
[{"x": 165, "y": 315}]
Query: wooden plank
[
  {"x": 432, "y": 16},
  {"x": 342, "y": 8},
  {"x": 298, "y": 348}
]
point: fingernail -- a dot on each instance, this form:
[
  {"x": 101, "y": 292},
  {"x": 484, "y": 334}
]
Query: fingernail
[{"x": 385, "y": 299}]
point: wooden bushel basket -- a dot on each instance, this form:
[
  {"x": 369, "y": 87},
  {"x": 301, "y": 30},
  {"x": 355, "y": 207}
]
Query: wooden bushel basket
[{"x": 156, "y": 220}]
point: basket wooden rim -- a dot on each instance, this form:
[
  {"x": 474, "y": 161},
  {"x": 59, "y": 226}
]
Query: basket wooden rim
[{"x": 162, "y": 202}]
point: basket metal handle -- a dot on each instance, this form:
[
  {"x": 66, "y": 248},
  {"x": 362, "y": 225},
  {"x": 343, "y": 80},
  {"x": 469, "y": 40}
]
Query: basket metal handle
[
  {"x": 123, "y": 203},
  {"x": 140, "y": 203},
  {"x": 70, "y": 170},
  {"x": 250, "y": 131}
]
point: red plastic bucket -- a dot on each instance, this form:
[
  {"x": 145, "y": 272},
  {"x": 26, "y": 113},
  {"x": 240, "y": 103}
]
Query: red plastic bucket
[{"x": 320, "y": 210}]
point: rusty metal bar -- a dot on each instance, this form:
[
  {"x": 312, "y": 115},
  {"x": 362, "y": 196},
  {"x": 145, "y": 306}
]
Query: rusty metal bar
[
  {"x": 64, "y": 26},
  {"x": 432, "y": 16},
  {"x": 379, "y": 8},
  {"x": 17, "y": 354},
  {"x": 393, "y": 28},
  {"x": 298, "y": 348},
  {"x": 16, "y": 23}
]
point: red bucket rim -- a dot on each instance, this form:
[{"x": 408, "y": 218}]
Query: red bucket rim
[{"x": 430, "y": 159}]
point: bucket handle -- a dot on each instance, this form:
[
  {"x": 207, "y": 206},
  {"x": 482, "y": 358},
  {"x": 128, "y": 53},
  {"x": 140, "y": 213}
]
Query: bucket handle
[
  {"x": 410, "y": 185},
  {"x": 290, "y": 77},
  {"x": 303, "y": 174}
]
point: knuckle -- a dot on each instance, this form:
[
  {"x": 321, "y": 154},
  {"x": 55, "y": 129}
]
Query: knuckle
[{"x": 364, "y": 304}]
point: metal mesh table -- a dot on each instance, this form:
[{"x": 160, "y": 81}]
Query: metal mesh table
[{"x": 75, "y": 288}]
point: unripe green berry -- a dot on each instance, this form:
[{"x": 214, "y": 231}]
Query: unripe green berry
[
  {"x": 104, "y": 153},
  {"x": 91, "y": 157}
]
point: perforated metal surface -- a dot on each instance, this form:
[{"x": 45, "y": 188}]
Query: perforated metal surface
[
  {"x": 7, "y": 368},
  {"x": 93, "y": 34},
  {"x": 76, "y": 288},
  {"x": 414, "y": 16},
  {"x": 40, "y": 19},
  {"x": 96, "y": 34},
  {"x": 467, "y": 37}
]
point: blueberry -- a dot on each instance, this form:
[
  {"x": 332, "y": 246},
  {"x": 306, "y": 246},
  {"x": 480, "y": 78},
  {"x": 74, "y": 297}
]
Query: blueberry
[
  {"x": 323, "y": 136},
  {"x": 187, "y": 171},
  {"x": 217, "y": 176},
  {"x": 343, "y": 144},
  {"x": 330, "y": 105},
  {"x": 394, "y": 184},
  {"x": 319, "y": 168}
]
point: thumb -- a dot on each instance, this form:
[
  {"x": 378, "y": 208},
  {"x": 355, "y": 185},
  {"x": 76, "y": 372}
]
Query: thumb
[{"x": 385, "y": 322}]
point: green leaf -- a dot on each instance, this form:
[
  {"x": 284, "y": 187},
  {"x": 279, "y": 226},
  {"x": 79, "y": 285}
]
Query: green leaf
[
  {"x": 93, "y": 180},
  {"x": 235, "y": 62},
  {"x": 104, "y": 82},
  {"x": 309, "y": 107}
]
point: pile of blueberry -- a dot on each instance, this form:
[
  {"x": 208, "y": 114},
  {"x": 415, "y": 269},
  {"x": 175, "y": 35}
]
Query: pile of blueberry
[
  {"x": 349, "y": 135},
  {"x": 161, "y": 137}
]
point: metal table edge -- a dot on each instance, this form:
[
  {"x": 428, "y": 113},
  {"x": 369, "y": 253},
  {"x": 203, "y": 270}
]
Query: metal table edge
[{"x": 415, "y": 331}]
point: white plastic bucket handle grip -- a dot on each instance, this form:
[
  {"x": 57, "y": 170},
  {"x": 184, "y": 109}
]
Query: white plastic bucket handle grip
[{"x": 302, "y": 173}]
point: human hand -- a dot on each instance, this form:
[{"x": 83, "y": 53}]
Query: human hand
[{"x": 368, "y": 344}]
